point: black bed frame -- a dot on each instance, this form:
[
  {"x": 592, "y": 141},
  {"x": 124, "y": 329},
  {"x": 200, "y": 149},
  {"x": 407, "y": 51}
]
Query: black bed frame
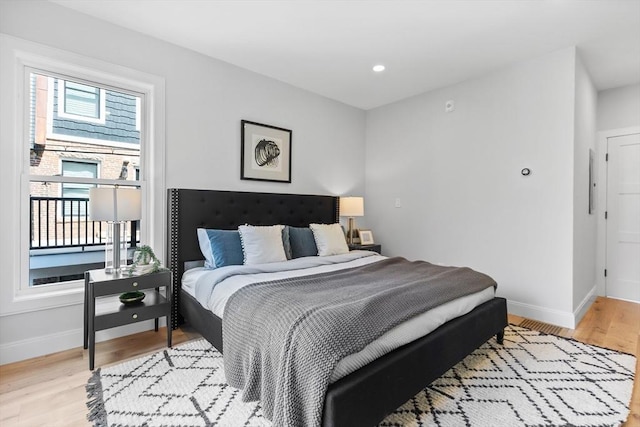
[{"x": 366, "y": 396}]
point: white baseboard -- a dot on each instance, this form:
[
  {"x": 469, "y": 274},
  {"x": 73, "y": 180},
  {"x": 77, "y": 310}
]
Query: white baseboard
[
  {"x": 66, "y": 340},
  {"x": 566, "y": 319},
  {"x": 542, "y": 314}
]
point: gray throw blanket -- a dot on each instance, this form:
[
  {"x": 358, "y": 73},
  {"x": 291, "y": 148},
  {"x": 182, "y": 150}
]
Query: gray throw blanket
[{"x": 282, "y": 339}]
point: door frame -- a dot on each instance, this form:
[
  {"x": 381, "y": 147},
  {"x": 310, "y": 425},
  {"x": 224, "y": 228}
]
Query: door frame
[{"x": 601, "y": 200}]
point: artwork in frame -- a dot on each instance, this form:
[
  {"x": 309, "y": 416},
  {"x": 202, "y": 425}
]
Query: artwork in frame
[
  {"x": 366, "y": 237},
  {"x": 266, "y": 152}
]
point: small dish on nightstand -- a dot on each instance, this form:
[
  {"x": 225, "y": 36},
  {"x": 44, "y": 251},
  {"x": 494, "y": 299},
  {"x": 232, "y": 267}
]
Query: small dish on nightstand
[{"x": 131, "y": 298}]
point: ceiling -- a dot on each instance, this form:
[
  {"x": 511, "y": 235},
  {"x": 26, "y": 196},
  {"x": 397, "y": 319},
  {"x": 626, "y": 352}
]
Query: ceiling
[{"x": 329, "y": 47}]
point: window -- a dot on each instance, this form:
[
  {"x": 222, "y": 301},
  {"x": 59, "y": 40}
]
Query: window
[
  {"x": 31, "y": 169},
  {"x": 81, "y": 100},
  {"x": 68, "y": 156},
  {"x": 76, "y": 195},
  {"x": 78, "y": 102}
]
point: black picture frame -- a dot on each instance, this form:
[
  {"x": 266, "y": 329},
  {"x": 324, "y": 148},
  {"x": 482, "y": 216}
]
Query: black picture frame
[{"x": 265, "y": 153}]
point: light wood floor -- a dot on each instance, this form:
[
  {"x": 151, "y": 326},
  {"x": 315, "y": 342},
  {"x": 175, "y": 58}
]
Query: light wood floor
[{"x": 50, "y": 390}]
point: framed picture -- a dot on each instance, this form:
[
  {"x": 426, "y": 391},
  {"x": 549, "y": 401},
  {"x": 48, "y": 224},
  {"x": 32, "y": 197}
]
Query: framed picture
[
  {"x": 366, "y": 237},
  {"x": 266, "y": 152}
]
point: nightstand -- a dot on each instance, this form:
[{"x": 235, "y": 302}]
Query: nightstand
[
  {"x": 374, "y": 248},
  {"x": 103, "y": 309}
]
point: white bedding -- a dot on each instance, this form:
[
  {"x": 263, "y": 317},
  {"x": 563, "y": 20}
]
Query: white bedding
[{"x": 212, "y": 289}]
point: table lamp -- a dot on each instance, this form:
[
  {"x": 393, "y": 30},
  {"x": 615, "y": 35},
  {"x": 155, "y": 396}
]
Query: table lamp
[
  {"x": 351, "y": 207},
  {"x": 115, "y": 206}
]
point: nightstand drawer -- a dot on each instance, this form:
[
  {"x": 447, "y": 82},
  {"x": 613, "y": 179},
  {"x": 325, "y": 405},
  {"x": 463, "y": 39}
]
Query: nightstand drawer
[
  {"x": 130, "y": 316},
  {"x": 133, "y": 283}
]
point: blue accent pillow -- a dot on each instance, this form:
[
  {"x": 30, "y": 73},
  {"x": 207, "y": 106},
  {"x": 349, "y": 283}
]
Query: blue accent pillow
[
  {"x": 220, "y": 247},
  {"x": 302, "y": 242}
]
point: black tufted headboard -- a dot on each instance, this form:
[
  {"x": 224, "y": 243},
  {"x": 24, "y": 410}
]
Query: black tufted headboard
[{"x": 189, "y": 210}]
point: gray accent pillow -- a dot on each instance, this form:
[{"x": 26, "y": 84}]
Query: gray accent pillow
[
  {"x": 302, "y": 242},
  {"x": 286, "y": 242}
]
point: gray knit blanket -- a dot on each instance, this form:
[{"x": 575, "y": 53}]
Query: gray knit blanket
[{"x": 282, "y": 339}]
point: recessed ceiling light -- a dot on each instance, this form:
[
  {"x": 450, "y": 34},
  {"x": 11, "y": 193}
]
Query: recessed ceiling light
[{"x": 378, "y": 68}]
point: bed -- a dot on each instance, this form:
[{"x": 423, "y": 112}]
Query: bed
[{"x": 365, "y": 396}]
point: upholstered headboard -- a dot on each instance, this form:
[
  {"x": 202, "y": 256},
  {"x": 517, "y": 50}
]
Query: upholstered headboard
[{"x": 189, "y": 210}]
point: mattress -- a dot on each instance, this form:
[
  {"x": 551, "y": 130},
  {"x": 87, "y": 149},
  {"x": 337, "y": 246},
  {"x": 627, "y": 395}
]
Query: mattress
[{"x": 212, "y": 289}]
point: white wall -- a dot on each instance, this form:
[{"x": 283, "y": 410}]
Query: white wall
[
  {"x": 619, "y": 108},
  {"x": 584, "y": 224},
  {"x": 457, "y": 175},
  {"x": 205, "y": 101}
]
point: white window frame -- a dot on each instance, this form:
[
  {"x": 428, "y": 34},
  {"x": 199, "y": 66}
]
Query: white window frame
[
  {"x": 62, "y": 102},
  {"x": 17, "y": 58}
]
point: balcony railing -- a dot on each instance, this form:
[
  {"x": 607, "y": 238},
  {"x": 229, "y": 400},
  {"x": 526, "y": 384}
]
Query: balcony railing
[{"x": 58, "y": 222}]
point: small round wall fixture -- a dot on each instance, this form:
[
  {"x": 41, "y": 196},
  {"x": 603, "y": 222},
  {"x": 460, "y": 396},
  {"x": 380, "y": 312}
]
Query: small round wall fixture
[
  {"x": 525, "y": 172},
  {"x": 378, "y": 68}
]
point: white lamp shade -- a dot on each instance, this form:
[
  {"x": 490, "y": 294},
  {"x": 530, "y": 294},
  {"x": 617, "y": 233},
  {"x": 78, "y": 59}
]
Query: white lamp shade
[
  {"x": 351, "y": 206},
  {"x": 114, "y": 204}
]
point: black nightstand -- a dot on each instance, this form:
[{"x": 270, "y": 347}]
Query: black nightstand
[
  {"x": 374, "y": 248},
  {"x": 103, "y": 309}
]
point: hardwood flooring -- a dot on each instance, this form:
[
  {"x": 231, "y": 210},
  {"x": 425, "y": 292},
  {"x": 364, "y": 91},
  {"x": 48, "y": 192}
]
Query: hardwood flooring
[{"x": 50, "y": 390}]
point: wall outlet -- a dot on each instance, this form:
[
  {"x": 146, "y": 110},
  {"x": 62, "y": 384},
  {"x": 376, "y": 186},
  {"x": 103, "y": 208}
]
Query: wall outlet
[{"x": 398, "y": 203}]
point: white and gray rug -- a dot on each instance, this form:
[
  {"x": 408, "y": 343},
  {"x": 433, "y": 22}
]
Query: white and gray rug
[{"x": 534, "y": 379}]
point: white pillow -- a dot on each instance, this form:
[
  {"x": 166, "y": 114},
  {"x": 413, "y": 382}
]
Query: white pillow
[
  {"x": 329, "y": 239},
  {"x": 262, "y": 244}
]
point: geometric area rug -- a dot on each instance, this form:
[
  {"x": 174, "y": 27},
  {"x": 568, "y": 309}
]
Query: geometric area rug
[{"x": 533, "y": 379}]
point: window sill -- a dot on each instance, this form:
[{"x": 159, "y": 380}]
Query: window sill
[{"x": 43, "y": 297}]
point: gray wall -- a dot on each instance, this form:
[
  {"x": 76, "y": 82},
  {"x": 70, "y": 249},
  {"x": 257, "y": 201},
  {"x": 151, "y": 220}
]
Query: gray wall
[
  {"x": 619, "y": 108},
  {"x": 457, "y": 175},
  {"x": 584, "y": 224}
]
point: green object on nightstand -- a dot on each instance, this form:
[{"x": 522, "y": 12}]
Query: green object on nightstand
[{"x": 144, "y": 262}]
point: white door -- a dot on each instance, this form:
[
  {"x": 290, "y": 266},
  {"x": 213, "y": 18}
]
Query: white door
[{"x": 623, "y": 217}]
